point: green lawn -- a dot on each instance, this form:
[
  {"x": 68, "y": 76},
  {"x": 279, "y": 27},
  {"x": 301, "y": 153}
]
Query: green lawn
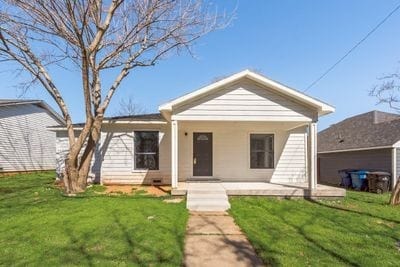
[
  {"x": 39, "y": 226},
  {"x": 361, "y": 230}
]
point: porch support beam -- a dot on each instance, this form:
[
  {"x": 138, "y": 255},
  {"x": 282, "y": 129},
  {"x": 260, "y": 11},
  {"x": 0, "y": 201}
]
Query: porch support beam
[
  {"x": 312, "y": 141},
  {"x": 174, "y": 154},
  {"x": 394, "y": 167}
]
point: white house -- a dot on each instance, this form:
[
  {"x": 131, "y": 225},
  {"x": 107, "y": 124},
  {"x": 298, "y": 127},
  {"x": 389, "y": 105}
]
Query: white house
[
  {"x": 26, "y": 144},
  {"x": 245, "y": 128}
]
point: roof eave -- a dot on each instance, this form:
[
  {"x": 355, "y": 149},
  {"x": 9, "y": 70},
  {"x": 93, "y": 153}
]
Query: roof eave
[
  {"x": 326, "y": 110},
  {"x": 111, "y": 122}
]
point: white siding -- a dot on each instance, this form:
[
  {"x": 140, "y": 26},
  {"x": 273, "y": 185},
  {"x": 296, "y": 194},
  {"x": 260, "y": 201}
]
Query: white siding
[
  {"x": 231, "y": 151},
  {"x": 291, "y": 166},
  {"x": 117, "y": 155},
  {"x": 244, "y": 102},
  {"x": 61, "y": 152},
  {"x": 398, "y": 161},
  {"x": 62, "y": 148},
  {"x": 25, "y": 142}
]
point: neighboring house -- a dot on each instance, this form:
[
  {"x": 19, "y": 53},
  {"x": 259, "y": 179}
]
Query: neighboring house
[
  {"x": 366, "y": 141},
  {"x": 244, "y": 128},
  {"x": 25, "y": 142}
]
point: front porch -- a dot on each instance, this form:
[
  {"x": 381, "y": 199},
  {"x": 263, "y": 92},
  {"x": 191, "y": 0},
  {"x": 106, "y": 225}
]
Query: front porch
[
  {"x": 290, "y": 169},
  {"x": 263, "y": 189}
]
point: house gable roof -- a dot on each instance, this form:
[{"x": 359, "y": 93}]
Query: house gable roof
[
  {"x": 374, "y": 129},
  {"x": 322, "y": 107},
  {"x": 40, "y": 103}
]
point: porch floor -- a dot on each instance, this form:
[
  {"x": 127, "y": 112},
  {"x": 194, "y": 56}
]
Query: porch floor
[{"x": 263, "y": 189}]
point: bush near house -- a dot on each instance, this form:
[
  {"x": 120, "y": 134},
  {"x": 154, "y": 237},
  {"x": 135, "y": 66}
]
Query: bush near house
[
  {"x": 39, "y": 226},
  {"x": 361, "y": 230}
]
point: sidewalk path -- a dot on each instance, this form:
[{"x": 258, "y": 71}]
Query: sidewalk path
[{"x": 213, "y": 239}]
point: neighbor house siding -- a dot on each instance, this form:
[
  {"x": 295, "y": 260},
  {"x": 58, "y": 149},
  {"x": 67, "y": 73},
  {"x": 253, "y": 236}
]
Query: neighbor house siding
[
  {"x": 231, "y": 151},
  {"x": 244, "y": 102},
  {"x": 25, "y": 142},
  {"x": 331, "y": 163},
  {"x": 117, "y": 152}
]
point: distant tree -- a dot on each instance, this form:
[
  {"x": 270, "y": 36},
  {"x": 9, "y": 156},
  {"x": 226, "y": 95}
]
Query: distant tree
[
  {"x": 96, "y": 37},
  {"x": 128, "y": 107},
  {"x": 388, "y": 92}
]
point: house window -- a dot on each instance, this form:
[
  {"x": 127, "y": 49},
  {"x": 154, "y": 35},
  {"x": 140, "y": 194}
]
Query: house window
[
  {"x": 146, "y": 150},
  {"x": 261, "y": 151}
]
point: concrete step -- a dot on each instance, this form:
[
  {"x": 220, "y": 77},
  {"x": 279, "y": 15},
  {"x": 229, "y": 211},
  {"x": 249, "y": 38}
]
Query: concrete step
[
  {"x": 208, "y": 208},
  {"x": 206, "y": 197},
  {"x": 193, "y": 195},
  {"x": 208, "y": 205}
]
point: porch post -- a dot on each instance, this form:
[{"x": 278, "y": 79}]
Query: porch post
[
  {"x": 312, "y": 141},
  {"x": 174, "y": 154},
  {"x": 394, "y": 167}
]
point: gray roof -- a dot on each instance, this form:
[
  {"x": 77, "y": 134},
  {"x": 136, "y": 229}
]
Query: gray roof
[
  {"x": 139, "y": 117},
  {"x": 40, "y": 103},
  {"x": 367, "y": 130},
  {"x": 6, "y": 102}
]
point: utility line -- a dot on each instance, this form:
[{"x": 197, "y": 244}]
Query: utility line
[{"x": 354, "y": 47}]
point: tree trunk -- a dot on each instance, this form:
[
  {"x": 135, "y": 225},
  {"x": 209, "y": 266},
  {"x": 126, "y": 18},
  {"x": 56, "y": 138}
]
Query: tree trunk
[
  {"x": 85, "y": 162},
  {"x": 77, "y": 168},
  {"x": 395, "y": 197},
  {"x": 71, "y": 177}
]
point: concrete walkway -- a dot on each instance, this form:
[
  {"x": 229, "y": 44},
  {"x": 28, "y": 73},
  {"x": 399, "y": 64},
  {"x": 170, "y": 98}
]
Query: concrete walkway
[{"x": 213, "y": 239}]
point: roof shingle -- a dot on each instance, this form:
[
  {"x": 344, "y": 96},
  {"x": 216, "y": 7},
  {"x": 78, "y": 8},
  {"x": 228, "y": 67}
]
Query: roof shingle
[{"x": 367, "y": 130}]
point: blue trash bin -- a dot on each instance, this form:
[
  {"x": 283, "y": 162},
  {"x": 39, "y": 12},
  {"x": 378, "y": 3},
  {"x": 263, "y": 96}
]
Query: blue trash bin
[{"x": 359, "y": 179}]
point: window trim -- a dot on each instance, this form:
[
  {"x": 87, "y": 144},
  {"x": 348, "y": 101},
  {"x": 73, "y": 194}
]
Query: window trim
[
  {"x": 142, "y": 170},
  {"x": 249, "y": 150}
]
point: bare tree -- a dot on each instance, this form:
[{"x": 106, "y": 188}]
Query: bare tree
[
  {"x": 96, "y": 36},
  {"x": 128, "y": 107},
  {"x": 388, "y": 92}
]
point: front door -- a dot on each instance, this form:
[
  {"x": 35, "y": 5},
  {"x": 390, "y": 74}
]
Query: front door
[{"x": 202, "y": 154}]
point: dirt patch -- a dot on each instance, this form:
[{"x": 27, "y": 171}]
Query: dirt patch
[
  {"x": 153, "y": 190},
  {"x": 119, "y": 189},
  {"x": 157, "y": 190}
]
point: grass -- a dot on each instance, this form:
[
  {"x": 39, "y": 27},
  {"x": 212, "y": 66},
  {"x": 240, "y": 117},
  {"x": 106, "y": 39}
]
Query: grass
[
  {"x": 39, "y": 226},
  {"x": 361, "y": 230}
]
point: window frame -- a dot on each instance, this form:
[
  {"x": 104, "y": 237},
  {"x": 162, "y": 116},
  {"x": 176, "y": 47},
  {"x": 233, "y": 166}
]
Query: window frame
[
  {"x": 273, "y": 150},
  {"x": 135, "y": 169}
]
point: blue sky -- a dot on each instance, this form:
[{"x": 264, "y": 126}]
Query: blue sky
[{"x": 290, "y": 41}]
